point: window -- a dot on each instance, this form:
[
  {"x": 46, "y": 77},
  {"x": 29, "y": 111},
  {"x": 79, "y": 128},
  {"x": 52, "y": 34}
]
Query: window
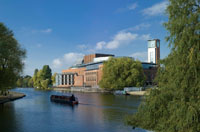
[
  {"x": 151, "y": 44},
  {"x": 158, "y": 43}
]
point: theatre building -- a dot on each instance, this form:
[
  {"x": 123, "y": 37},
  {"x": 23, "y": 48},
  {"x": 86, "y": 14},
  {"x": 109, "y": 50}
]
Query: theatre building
[{"x": 89, "y": 72}]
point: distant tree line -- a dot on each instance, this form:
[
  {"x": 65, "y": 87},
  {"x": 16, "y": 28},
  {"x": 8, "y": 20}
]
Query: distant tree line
[
  {"x": 25, "y": 81},
  {"x": 41, "y": 79}
]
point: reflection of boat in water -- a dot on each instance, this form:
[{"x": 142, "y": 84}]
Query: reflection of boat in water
[{"x": 64, "y": 99}]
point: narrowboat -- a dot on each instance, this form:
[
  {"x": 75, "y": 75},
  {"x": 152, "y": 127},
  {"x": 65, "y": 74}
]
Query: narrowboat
[{"x": 64, "y": 99}]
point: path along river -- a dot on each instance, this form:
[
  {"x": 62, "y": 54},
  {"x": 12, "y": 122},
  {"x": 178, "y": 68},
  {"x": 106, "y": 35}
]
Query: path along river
[{"x": 96, "y": 113}]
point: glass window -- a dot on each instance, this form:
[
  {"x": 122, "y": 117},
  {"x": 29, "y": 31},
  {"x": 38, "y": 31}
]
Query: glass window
[
  {"x": 158, "y": 43},
  {"x": 151, "y": 43}
]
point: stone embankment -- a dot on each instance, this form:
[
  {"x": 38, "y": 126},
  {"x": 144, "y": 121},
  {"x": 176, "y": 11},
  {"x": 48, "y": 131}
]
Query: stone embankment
[
  {"x": 10, "y": 97},
  {"x": 81, "y": 89}
]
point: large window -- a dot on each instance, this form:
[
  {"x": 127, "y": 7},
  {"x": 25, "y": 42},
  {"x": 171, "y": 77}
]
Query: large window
[
  {"x": 92, "y": 67},
  {"x": 151, "y": 44}
]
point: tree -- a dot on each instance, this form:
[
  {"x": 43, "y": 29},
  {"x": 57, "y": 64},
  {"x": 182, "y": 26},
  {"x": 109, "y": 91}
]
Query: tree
[
  {"x": 11, "y": 58},
  {"x": 46, "y": 73},
  {"x": 174, "y": 105},
  {"x": 19, "y": 82},
  {"x": 45, "y": 83},
  {"x": 42, "y": 78},
  {"x": 35, "y": 78},
  {"x": 25, "y": 82},
  {"x": 30, "y": 83},
  {"x": 53, "y": 78},
  {"x": 122, "y": 72}
]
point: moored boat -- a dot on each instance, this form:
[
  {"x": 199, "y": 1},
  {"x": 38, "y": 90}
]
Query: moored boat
[{"x": 64, "y": 99}]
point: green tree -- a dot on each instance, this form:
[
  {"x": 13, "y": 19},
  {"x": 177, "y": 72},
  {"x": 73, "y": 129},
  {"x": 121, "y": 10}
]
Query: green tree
[
  {"x": 26, "y": 80},
  {"x": 122, "y": 72},
  {"x": 35, "y": 78},
  {"x": 11, "y": 58},
  {"x": 46, "y": 73},
  {"x": 30, "y": 83},
  {"x": 45, "y": 83},
  {"x": 19, "y": 82},
  {"x": 42, "y": 77},
  {"x": 39, "y": 79},
  {"x": 53, "y": 78},
  {"x": 174, "y": 105}
]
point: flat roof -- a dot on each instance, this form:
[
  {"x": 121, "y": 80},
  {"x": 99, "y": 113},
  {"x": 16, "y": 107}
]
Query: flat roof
[{"x": 103, "y": 55}]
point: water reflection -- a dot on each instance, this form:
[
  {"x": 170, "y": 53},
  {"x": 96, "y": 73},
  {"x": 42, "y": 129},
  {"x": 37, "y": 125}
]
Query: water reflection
[
  {"x": 8, "y": 120},
  {"x": 96, "y": 112}
]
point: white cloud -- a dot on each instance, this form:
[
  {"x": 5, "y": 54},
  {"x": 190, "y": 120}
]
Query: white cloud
[
  {"x": 120, "y": 39},
  {"x": 142, "y": 56},
  {"x": 48, "y": 30},
  {"x": 57, "y": 63},
  {"x": 45, "y": 31},
  {"x": 67, "y": 60},
  {"x": 132, "y": 6},
  {"x": 82, "y": 46},
  {"x": 100, "y": 45},
  {"x": 137, "y": 27},
  {"x": 156, "y": 9},
  {"x": 145, "y": 37}
]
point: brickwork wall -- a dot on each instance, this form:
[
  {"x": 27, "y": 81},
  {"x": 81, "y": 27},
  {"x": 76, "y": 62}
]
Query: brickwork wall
[
  {"x": 79, "y": 81},
  {"x": 78, "y": 77},
  {"x": 157, "y": 52},
  {"x": 91, "y": 78},
  {"x": 89, "y": 58}
]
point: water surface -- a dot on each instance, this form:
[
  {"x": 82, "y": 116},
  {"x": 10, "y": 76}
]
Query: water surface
[{"x": 96, "y": 113}]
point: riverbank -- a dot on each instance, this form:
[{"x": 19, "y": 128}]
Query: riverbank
[
  {"x": 138, "y": 93},
  {"x": 11, "y": 97},
  {"x": 81, "y": 89},
  {"x": 95, "y": 90}
]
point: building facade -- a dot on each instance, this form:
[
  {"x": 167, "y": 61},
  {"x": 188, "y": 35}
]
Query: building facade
[
  {"x": 90, "y": 71},
  {"x": 154, "y": 51}
]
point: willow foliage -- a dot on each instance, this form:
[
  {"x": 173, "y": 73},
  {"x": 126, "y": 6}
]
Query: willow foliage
[
  {"x": 175, "y": 105},
  {"x": 11, "y": 58}
]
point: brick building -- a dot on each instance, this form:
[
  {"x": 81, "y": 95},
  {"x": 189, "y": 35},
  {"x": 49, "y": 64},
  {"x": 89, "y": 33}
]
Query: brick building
[{"x": 89, "y": 73}]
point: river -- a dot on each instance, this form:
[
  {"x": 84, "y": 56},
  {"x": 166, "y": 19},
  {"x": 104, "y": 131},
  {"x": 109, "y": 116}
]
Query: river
[{"x": 96, "y": 112}]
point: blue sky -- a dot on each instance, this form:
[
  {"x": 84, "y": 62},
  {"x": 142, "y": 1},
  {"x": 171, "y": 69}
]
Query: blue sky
[{"x": 58, "y": 33}]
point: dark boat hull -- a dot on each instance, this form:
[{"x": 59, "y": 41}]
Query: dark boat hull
[{"x": 64, "y": 99}]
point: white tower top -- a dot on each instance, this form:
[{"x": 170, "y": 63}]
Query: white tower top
[{"x": 153, "y": 51}]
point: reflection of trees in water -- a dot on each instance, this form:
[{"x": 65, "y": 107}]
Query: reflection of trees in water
[
  {"x": 8, "y": 120},
  {"x": 116, "y": 107}
]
